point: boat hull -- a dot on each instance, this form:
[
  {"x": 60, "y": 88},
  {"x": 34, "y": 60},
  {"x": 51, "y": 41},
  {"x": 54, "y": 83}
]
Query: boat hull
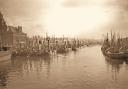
[{"x": 114, "y": 55}]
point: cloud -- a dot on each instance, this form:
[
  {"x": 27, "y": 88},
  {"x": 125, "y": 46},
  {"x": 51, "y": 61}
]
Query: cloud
[{"x": 32, "y": 14}]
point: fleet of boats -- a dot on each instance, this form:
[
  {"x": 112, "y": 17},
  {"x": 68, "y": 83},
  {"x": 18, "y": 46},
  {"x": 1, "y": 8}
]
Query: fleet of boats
[
  {"x": 113, "y": 47},
  {"x": 43, "y": 46},
  {"x": 36, "y": 46}
]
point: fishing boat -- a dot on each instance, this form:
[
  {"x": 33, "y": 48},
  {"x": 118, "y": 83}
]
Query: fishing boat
[
  {"x": 114, "y": 48},
  {"x": 41, "y": 53},
  {"x": 74, "y": 49},
  {"x": 5, "y": 54},
  {"x": 62, "y": 50},
  {"x": 118, "y": 55}
]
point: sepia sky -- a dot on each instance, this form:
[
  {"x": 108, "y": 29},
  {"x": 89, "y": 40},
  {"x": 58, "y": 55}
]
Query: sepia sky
[{"x": 79, "y": 18}]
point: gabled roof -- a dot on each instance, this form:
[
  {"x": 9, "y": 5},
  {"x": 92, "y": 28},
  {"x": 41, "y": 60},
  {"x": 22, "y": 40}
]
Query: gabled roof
[
  {"x": 12, "y": 29},
  {"x": 15, "y": 29}
]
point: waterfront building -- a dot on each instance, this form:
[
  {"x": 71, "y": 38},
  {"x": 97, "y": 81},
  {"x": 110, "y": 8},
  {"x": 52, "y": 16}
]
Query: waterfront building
[
  {"x": 10, "y": 35},
  {"x": 15, "y": 36},
  {"x": 3, "y": 30}
]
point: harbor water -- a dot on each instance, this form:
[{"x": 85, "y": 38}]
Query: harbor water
[{"x": 86, "y": 68}]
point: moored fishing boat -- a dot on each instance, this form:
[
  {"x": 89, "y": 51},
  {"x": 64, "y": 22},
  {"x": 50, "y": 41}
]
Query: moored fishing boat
[
  {"x": 115, "y": 48},
  {"x": 74, "y": 49},
  {"x": 119, "y": 55},
  {"x": 41, "y": 53},
  {"x": 62, "y": 50}
]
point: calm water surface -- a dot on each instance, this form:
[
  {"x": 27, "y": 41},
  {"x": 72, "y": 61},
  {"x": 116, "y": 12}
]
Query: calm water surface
[{"x": 85, "y": 69}]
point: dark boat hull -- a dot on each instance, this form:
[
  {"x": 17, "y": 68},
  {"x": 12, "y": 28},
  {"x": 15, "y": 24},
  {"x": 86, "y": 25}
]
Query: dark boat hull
[
  {"x": 114, "y": 55},
  {"x": 63, "y": 50},
  {"x": 74, "y": 49}
]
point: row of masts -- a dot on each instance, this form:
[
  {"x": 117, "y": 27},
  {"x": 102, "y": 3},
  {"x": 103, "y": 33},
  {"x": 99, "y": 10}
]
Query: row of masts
[
  {"x": 115, "y": 42},
  {"x": 37, "y": 45}
]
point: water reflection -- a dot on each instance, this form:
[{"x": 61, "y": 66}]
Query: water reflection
[
  {"x": 115, "y": 65},
  {"x": 83, "y": 69},
  {"x": 3, "y": 78},
  {"x": 31, "y": 64},
  {"x": 4, "y": 70}
]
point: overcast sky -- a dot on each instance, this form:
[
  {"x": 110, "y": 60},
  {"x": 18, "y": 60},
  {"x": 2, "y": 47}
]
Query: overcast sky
[{"x": 85, "y": 18}]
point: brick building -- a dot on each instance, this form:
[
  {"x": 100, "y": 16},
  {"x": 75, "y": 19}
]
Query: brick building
[{"x": 15, "y": 36}]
